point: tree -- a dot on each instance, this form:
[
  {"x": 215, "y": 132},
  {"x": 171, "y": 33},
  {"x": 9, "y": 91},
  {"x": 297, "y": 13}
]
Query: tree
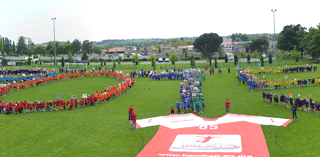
[
  {"x": 291, "y": 36},
  {"x": 244, "y": 37},
  {"x": 173, "y": 58},
  {"x": 311, "y": 42},
  {"x": 77, "y": 45},
  {"x": 262, "y": 61},
  {"x": 159, "y": 50},
  {"x": 70, "y": 55},
  {"x": 119, "y": 60},
  {"x": 225, "y": 58},
  {"x": 21, "y": 45},
  {"x": 259, "y": 44},
  {"x": 62, "y": 61},
  {"x": 242, "y": 55},
  {"x": 29, "y": 60},
  {"x": 235, "y": 60},
  {"x": 1, "y": 45},
  {"x": 13, "y": 47},
  {"x": 69, "y": 48},
  {"x": 153, "y": 60},
  {"x": 135, "y": 59},
  {"x": 237, "y": 40},
  {"x": 234, "y": 36},
  {"x": 128, "y": 56},
  {"x": 248, "y": 58},
  {"x": 40, "y": 50},
  {"x": 294, "y": 54},
  {"x": 168, "y": 54},
  {"x": 215, "y": 62},
  {"x": 192, "y": 62},
  {"x": 270, "y": 58},
  {"x": 184, "y": 50},
  {"x": 207, "y": 44},
  {"x": 84, "y": 56},
  {"x": 87, "y": 46},
  {"x": 255, "y": 54}
]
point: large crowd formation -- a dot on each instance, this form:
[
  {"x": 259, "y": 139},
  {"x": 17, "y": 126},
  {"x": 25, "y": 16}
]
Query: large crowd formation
[
  {"x": 284, "y": 70},
  {"x": 255, "y": 83},
  {"x": 288, "y": 101},
  {"x": 191, "y": 91},
  {"x": 106, "y": 94}
]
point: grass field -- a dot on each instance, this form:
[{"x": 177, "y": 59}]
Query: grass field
[{"x": 104, "y": 130}]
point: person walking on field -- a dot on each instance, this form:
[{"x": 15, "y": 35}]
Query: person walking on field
[
  {"x": 131, "y": 109},
  {"x": 294, "y": 109},
  {"x": 227, "y": 106},
  {"x": 134, "y": 120}
]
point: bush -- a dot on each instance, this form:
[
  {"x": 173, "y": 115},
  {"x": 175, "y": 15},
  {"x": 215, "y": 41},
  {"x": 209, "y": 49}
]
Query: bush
[
  {"x": 19, "y": 63},
  {"x": 197, "y": 58},
  {"x": 95, "y": 60},
  {"x": 144, "y": 59},
  {"x": 221, "y": 57},
  {"x": 243, "y": 55},
  {"x": 127, "y": 59},
  {"x": 47, "y": 61}
]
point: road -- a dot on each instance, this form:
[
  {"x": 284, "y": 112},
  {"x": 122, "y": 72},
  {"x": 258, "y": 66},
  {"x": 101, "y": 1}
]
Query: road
[{"x": 164, "y": 63}]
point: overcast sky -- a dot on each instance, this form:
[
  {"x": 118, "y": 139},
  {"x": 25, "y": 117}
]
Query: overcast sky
[{"x": 97, "y": 20}]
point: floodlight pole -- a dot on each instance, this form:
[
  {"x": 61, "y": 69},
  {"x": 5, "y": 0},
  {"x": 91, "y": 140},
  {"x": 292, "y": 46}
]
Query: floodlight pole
[
  {"x": 274, "y": 34},
  {"x": 54, "y": 43}
]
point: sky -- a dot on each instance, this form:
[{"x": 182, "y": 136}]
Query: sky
[{"x": 97, "y": 20}]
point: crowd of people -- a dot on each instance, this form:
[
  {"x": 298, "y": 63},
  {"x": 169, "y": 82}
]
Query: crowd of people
[
  {"x": 191, "y": 92},
  {"x": 284, "y": 70},
  {"x": 288, "y": 101},
  {"x": 20, "y": 71},
  {"x": 255, "y": 83},
  {"x": 59, "y": 104}
]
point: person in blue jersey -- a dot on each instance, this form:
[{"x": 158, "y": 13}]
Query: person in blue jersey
[
  {"x": 239, "y": 79},
  {"x": 311, "y": 105},
  {"x": 276, "y": 99},
  {"x": 307, "y": 105},
  {"x": 294, "y": 111},
  {"x": 286, "y": 100},
  {"x": 317, "y": 107},
  {"x": 264, "y": 96},
  {"x": 178, "y": 106}
]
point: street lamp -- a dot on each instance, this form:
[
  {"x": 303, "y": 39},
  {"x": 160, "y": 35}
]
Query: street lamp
[
  {"x": 54, "y": 42},
  {"x": 274, "y": 34}
]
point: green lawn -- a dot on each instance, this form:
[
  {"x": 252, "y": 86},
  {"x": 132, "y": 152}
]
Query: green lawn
[{"x": 104, "y": 130}]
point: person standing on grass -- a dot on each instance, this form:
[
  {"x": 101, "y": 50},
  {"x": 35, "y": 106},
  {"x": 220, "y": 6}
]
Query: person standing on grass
[
  {"x": 178, "y": 106},
  {"x": 134, "y": 120},
  {"x": 227, "y": 106},
  {"x": 131, "y": 110},
  {"x": 228, "y": 70},
  {"x": 294, "y": 110}
]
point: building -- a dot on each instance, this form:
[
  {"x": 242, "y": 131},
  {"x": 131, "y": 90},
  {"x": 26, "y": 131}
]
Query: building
[
  {"x": 165, "y": 48},
  {"x": 272, "y": 46},
  {"x": 114, "y": 50},
  {"x": 227, "y": 39}
]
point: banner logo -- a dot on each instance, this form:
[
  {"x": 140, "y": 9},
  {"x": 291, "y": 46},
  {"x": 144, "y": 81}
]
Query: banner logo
[{"x": 207, "y": 143}]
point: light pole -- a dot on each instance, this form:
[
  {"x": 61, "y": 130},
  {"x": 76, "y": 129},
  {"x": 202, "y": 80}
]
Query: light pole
[
  {"x": 54, "y": 43},
  {"x": 274, "y": 34}
]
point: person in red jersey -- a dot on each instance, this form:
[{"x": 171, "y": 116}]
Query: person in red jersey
[
  {"x": 227, "y": 106},
  {"x": 172, "y": 110},
  {"x": 134, "y": 119},
  {"x": 131, "y": 109}
]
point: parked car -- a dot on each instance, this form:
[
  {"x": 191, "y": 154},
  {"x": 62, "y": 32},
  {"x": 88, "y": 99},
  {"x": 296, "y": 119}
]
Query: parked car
[
  {"x": 231, "y": 58},
  {"x": 264, "y": 55},
  {"x": 167, "y": 60},
  {"x": 160, "y": 60}
]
